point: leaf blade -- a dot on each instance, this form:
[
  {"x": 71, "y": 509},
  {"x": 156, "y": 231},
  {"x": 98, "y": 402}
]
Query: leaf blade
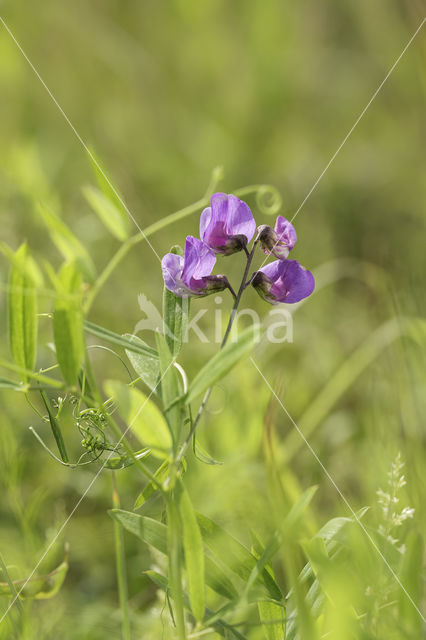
[
  {"x": 22, "y": 309},
  {"x": 68, "y": 323},
  {"x": 194, "y": 553},
  {"x": 143, "y": 417},
  {"x": 222, "y": 362}
]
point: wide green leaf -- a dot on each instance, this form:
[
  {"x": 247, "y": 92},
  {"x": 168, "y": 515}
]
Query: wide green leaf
[
  {"x": 142, "y": 416},
  {"x": 113, "y": 217},
  {"x": 222, "y": 362},
  {"x": 154, "y": 533},
  {"x": 194, "y": 553},
  {"x": 68, "y": 323},
  {"x": 272, "y": 617},
  {"x": 22, "y": 304}
]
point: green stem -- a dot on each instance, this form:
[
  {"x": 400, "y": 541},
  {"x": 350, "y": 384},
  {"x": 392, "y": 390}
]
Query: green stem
[
  {"x": 224, "y": 341},
  {"x": 120, "y": 558},
  {"x": 175, "y": 565},
  {"x": 31, "y": 374}
]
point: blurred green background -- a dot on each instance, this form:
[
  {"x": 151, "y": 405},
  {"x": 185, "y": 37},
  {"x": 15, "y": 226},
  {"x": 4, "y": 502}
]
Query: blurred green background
[{"x": 164, "y": 92}]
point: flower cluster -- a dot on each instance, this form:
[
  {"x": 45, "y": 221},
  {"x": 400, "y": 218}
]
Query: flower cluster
[
  {"x": 388, "y": 501},
  {"x": 228, "y": 226}
]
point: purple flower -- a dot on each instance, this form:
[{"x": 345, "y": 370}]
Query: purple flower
[
  {"x": 227, "y": 225},
  {"x": 190, "y": 275},
  {"x": 278, "y": 241},
  {"x": 283, "y": 281}
]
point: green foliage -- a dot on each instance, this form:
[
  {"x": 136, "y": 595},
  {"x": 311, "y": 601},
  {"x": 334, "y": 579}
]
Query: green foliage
[
  {"x": 40, "y": 587},
  {"x": 68, "y": 323},
  {"x": 222, "y": 362},
  {"x": 142, "y": 417},
  {"x": 170, "y": 388},
  {"x": 115, "y": 219},
  {"x": 194, "y": 552},
  {"x": 22, "y": 310},
  {"x": 67, "y": 242}
]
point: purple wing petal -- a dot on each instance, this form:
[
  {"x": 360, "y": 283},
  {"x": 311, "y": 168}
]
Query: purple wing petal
[
  {"x": 205, "y": 221},
  {"x": 199, "y": 260},
  {"x": 172, "y": 267}
]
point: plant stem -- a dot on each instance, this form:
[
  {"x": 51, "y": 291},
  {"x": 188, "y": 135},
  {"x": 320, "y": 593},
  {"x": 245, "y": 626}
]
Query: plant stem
[
  {"x": 175, "y": 565},
  {"x": 121, "y": 565},
  {"x": 224, "y": 341}
]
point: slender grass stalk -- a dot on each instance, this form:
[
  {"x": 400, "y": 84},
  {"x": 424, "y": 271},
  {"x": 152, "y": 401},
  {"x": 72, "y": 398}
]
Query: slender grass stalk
[{"x": 120, "y": 558}]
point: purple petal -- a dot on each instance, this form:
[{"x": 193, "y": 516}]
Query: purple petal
[
  {"x": 227, "y": 225},
  {"x": 172, "y": 267},
  {"x": 240, "y": 219},
  {"x": 286, "y": 233},
  {"x": 199, "y": 260},
  {"x": 290, "y": 281}
]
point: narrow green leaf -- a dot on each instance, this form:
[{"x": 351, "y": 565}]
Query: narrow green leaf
[
  {"x": 146, "y": 366},
  {"x": 222, "y": 362},
  {"x": 194, "y": 553},
  {"x": 105, "y": 183},
  {"x": 154, "y": 533},
  {"x": 175, "y": 316},
  {"x": 411, "y": 578},
  {"x": 237, "y": 557},
  {"x": 66, "y": 242},
  {"x": 272, "y": 617},
  {"x": 114, "y": 218},
  {"x": 56, "y": 429},
  {"x": 221, "y": 627},
  {"x": 32, "y": 267},
  {"x": 9, "y": 384},
  {"x": 142, "y": 416},
  {"x": 174, "y": 542},
  {"x": 22, "y": 311},
  {"x": 293, "y": 519},
  {"x": 129, "y": 342},
  {"x": 170, "y": 388},
  {"x": 68, "y": 323},
  {"x": 160, "y": 475},
  {"x": 150, "y": 531},
  {"x": 201, "y": 454}
]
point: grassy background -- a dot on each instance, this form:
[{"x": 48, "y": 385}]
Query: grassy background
[{"x": 165, "y": 92}]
